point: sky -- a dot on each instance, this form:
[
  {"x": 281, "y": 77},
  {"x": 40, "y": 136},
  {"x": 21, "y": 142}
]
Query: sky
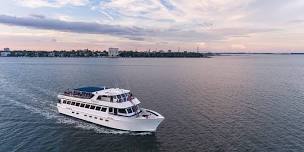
[{"x": 203, "y": 25}]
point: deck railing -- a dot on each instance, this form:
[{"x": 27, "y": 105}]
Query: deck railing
[{"x": 78, "y": 94}]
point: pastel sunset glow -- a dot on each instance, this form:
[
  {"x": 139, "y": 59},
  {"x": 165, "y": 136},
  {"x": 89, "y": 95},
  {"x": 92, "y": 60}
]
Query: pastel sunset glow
[{"x": 209, "y": 25}]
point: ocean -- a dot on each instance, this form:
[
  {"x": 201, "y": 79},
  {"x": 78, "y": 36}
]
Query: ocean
[{"x": 225, "y": 103}]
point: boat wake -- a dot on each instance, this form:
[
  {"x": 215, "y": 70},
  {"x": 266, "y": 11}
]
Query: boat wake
[{"x": 50, "y": 112}]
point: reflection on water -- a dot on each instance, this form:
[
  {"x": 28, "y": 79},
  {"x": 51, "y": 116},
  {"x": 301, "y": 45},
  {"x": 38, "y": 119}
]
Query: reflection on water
[{"x": 232, "y": 103}]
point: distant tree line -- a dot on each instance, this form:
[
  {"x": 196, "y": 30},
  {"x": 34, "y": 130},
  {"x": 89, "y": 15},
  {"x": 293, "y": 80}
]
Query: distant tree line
[
  {"x": 164, "y": 54},
  {"x": 73, "y": 53},
  {"x": 90, "y": 53}
]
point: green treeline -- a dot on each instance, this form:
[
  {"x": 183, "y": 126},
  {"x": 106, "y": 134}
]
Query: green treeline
[{"x": 89, "y": 53}]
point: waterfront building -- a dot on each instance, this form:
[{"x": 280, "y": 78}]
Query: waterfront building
[
  {"x": 113, "y": 52},
  {"x": 6, "y": 49},
  {"x": 5, "y": 52}
]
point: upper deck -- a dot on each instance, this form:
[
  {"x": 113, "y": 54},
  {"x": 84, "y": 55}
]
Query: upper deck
[
  {"x": 83, "y": 93},
  {"x": 114, "y": 97}
]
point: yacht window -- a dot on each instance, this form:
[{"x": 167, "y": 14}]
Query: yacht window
[
  {"x": 98, "y": 108},
  {"x": 122, "y": 110},
  {"x": 123, "y": 95},
  {"x": 110, "y": 109},
  {"x": 68, "y": 102},
  {"x": 129, "y": 110},
  {"x": 87, "y": 106},
  {"x": 92, "y": 107},
  {"x": 73, "y": 103},
  {"x": 134, "y": 108},
  {"x": 118, "y": 96},
  {"x": 82, "y": 105},
  {"x": 104, "y": 109},
  {"x": 59, "y": 100},
  {"x": 115, "y": 111},
  {"x": 103, "y": 98},
  {"x": 77, "y": 104},
  {"x": 64, "y": 101},
  {"x": 114, "y": 97},
  {"x": 111, "y": 99}
]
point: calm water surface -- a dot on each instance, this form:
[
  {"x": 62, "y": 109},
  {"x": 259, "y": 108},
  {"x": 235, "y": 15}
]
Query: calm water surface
[{"x": 229, "y": 103}]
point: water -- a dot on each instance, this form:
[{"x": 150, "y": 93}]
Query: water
[{"x": 228, "y": 103}]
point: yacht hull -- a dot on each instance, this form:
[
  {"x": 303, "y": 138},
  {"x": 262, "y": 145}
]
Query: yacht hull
[{"x": 135, "y": 123}]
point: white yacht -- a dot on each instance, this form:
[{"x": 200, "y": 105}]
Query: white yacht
[{"x": 110, "y": 107}]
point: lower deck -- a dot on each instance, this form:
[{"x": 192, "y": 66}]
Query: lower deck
[{"x": 136, "y": 123}]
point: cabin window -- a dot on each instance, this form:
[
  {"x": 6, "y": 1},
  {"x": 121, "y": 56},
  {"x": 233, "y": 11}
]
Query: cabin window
[
  {"x": 104, "y": 109},
  {"x": 111, "y": 99},
  {"x": 82, "y": 105},
  {"x": 87, "y": 106},
  {"x": 99, "y": 98},
  {"x": 110, "y": 109},
  {"x": 118, "y": 96},
  {"x": 77, "y": 104},
  {"x": 115, "y": 111},
  {"x": 92, "y": 107},
  {"x": 134, "y": 108},
  {"x": 129, "y": 110},
  {"x": 95, "y": 117},
  {"x": 98, "y": 108},
  {"x": 90, "y": 116},
  {"x": 105, "y": 98},
  {"x": 64, "y": 101},
  {"x": 73, "y": 103},
  {"x": 122, "y": 110},
  {"x": 114, "y": 97},
  {"x": 68, "y": 102},
  {"x": 59, "y": 100},
  {"x": 123, "y": 95}
]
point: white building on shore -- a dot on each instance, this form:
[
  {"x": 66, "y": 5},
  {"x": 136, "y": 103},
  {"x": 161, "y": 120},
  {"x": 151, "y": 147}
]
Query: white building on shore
[
  {"x": 6, "y": 52},
  {"x": 113, "y": 52}
]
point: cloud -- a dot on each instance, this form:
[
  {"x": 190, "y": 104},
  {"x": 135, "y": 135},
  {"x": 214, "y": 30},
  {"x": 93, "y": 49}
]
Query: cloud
[
  {"x": 297, "y": 21},
  {"x": 38, "y": 16},
  {"x": 51, "y": 3},
  {"x": 68, "y": 26},
  {"x": 133, "y": 32},
  {"x": 238, "y": 46}
]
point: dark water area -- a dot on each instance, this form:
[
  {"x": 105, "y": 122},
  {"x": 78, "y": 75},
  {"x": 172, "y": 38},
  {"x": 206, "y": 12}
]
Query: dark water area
[{"x": 228, "y": 103}]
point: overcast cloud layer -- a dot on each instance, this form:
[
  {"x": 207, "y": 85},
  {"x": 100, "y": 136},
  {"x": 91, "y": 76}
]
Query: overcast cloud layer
[{"x": 230, "y": 25}]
